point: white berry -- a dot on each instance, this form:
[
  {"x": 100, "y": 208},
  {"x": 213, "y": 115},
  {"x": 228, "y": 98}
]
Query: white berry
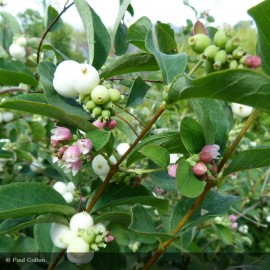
[
  {"x": 100, "y": 228},
  {"x": 100, "y": 165},
  {"x": 17, "y": 51},
  {"x": 81, "y": 220},
  {"x": 86, "y": 258},
  {"x": 68, "y": 197},
  {"x": 268, "y": 219},
  {"x": 60, "y": 187},
  {"x": 7, "y": 116},
  {"x": 122, "y": 148},
  {"x": 241, "y": 110},
  {"x": 86, "y": 78},
  {"x": 70, "y": 187},
  {"x": 21, "y": 41},
  {"x": 77, "y": 247},
  {"x": 68, "y": 236},
  {"x": 57, "y": 231}
]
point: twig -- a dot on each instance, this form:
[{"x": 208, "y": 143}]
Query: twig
[
  {"x": 12, "y": 89},
  {"x": 131, "y": 127}
]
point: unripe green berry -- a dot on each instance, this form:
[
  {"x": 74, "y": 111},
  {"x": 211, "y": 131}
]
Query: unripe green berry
[
  {"x": 98, "y": 239},
  {"x": 232, "y": 44},
  {"x": 127, "y": 180},
  {"x": 242, "y": 60},
  {"x": 115, "y": 95},
  {"x": 220, "y": 59},
  {"x": 238, "y": 53},
  {"x": 233, "y": 64},
  {"x": 90, "y": 105},
  {"x": 97, "y": 111},
  {"x": 106, "y": 114},
  {"x": 220, "y": 39},
  {"x": 108, "y": 105},
  {"x": 210, "y": 52},
  {"x": 240, "y": 66},
  {"x": 199, "y": 42},
  {"x": 100, "y": 94},
  {"x": 229, "y": 58},
  {"x": 88, "y": 236}
]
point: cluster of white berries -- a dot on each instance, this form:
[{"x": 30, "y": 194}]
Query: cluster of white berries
[
  {"x": 72, "y": 79},
  {"x": 243, "y": 229},
  {"x": 241, "y": 110},
  {"x": 17, "y": 48},
  {"x": 81, "y": 239},
  {"x": 66, "y": 190},
  {"x": 6, "y": 117}
]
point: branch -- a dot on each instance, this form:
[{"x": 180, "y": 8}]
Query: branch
[
  {"x": 131, "y": 127},
  {"x": 11, "y": 90}
]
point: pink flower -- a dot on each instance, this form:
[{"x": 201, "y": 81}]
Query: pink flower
[
  {"x": 99, "y": 124},
  {"x": 72, "y": 154},
  {"x": 253, "y": 61},
  {"x": 74, "y": 167},
  {"x": 209, "y": 152},
  {"x": 85, "y": 145},
  {"x": 172, "y": 170},
  {"x": 61, "y": 134},
  {"x": 109, "y": 238},
  {"x": 112, "y": 124},
  {"x": 234, "y": 225},
  {"x": 54, "y": 143},
  {"x": 232, "y": 218},
  {"x": 199, "y": 168}
]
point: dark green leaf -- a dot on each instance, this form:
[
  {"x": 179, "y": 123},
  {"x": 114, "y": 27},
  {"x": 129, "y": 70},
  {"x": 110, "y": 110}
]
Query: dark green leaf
[
  {"x": 129, "y": 64},
  {"x": 215, "y": 118},
  {"x": 12, "y": 23},
  {"x": 51, "y": 14},
  {"x": 249, "y": 159},
  {"x": 36, "y": 104},
  {"x": 242, "y": 86},
  {"x": 137, "y": 32},
  {"x": 164, "y": 181},
  {"x": 157, "y": 154},
  {"x": 137, "y": 92},
  {"x": 87, "y": 19},
  {"x": 38, "y": 132},
  {"x": 58, "y": 53},
  {"x": 215, "y": 204},
  {"x": 224, "y": 234},
  {"x": 15, "y": 72},
  {"x": 46, "y": 71},
  {"x": 168, "y": 140},
  {"x": 120, "y": 42},
  {"x": 125, "y": 195},
  {"x": 99, "y": 138},
  {"x": 192, "y": 135},
  {"x": 170, "y": 65},
  {"x": 27, "y": 199},
  {"x": 187, "y": 183},
  {"x": 165, "y": 38},
  {"x": 6, "y": 154},
  {"x": 118, "y": 217},
  {"x": 260, "y": 14}
]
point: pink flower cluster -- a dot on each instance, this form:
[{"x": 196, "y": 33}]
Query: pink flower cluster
[
  {"x": 253, "y": 61},
  {"x": 111, "y": 124},
  {"x": 233, "y": 219},
  {"x": 69, "y": 155}
]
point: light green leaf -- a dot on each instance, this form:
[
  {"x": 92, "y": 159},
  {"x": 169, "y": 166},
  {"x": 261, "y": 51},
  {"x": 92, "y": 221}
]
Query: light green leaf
[
  {"x": 118, "y": 217},
  {"x": 99, "y": 138},
  {"x": 120, "y": 42},
  {"x": 51, "y": 14},
  {"x": 12, "y": 23}
]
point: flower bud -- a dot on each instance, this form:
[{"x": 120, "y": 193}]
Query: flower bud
[
  {"x": 99, "y": 124},
  {"x": 234, "y": 225},
  {"x": 72, "y": 154},
  {"x": 74, "y": 167},
  {"x": 232, "y": 218},
  {"x": 85, "y": 145},
  {"x": 172, "y": 170},
  {"x": 61, "y": 134},
  {"x": 199, "y": 169},
  {"x": 209, "y": 152},
  {"x": 112, "y": 124},
  {"x": 199, "y": 42}
]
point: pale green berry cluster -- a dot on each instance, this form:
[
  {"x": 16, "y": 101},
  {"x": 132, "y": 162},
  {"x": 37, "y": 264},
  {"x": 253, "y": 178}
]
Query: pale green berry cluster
[
  {"x": 127, "y": 178},
  {"x": 101, "y": 102},
  {"x": 223, "y": 52}
]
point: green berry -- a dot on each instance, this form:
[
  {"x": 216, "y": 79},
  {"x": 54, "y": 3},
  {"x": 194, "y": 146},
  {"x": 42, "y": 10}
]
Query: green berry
[
  {"x": 233, "y": 64},
  {"x": 232, "y": 44},
  {"x": 210, "y": 52},
  {"x": 106, "y": 114},
  {"x": 199, "y": 42},
  {"x": 242, "y": 60},
  {"x": 115, "y": 95},
  {"x": 90, "y": 105},
  {"x": 97, "y": 111},
  {"x": 220, "y": 59},
  {"x": 100, "y": 94},
  {"x": 87, "y": 235},
  {"x": 108, "y": 105},
  {"x": 220, "y": 39},
  {"x": 229, "y": 58},
  {"x": 240, "y": 66},
  {"x": 238, "y": 53}
]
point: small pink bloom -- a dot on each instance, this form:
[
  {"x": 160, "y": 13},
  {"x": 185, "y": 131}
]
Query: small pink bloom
[
  {"x": 74, "y": 167},
  {"x": 72, "y": 154},
  {"x": 172, "y": 170},
  {"x": 85, "y": 145},
  {"x": 109, "y": 238},
  {"x": 61, "y": 151},
  {"x": 209, "y": 152},
  {"x": 61, "y": 134},
  {"x": 199, "y": 168},
  {"x": 99, "y": 124},
  {"x": 253, "y": 61},
  {"x": 234, "y": 225},
  {"x": 112, "y": 124},
  {"x": 54, "y": 143},
  {"x": 232, "y": 218}
]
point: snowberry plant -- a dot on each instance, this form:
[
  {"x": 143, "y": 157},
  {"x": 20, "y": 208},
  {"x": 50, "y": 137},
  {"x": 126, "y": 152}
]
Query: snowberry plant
[{"x": 117, "y": 176}]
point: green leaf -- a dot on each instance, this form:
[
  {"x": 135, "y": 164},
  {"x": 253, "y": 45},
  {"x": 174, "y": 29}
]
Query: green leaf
[
  {"x": 170, "y": 65},
  {"x": 15, "y": 72},
  {"x": 260, "y": 14},
  {"x": 125, "y": 195},
  {"x": 187, "y": 183},
  {"x": 27, "y": 199},
  {"x": 6, "y": 154},
  {"x": 102, "y": 41},
  {"x": 38, "y": 132},
  {"x": 215, "y": 204},
  {"x": 99, "y": 138},
  {"x": 13, "y": 225},
  {"x": 192, "y": 135},
  {"x": 129, "y": 64},
  {"x": 58, "y": 53},
  {"x": 249, "y": 159},
  {"x": 120, "y": 42},
  {"x": 164, "y": 181},
  {"x": 168, "y": 140},
  {"x": 137, "y": 92},
  {"x": 46, "y": 71},
  {"x": 165, "y": 38},
  {"x": 87, "y": 20},
  {"x": 12, "y": 23},
  {"x": 157, "y": 154},
  {"x": 242, "y": 86},
  {"x": 118, "y": 217},
  {"x": 51, "y": 14},
  {"x": 36, "y": 104},
  {"x": 224, "y": 234},
  {"x": 137, "y": 32},
  {"x": 215, "y": 118}
]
